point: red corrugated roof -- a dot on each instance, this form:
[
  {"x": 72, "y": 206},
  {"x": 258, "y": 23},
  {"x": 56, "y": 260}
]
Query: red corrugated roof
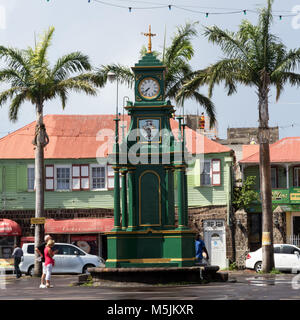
[
  {"x": 249, "y": 150},
  {"x": 284, "y": 150},
  {"x": 83, "y": 136}
]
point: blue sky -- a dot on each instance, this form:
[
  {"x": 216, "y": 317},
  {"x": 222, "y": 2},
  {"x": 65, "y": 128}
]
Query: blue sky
[{"x": 113, "y": 35}]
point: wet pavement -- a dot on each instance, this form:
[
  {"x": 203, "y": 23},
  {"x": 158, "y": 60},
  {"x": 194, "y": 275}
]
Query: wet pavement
[{"x": 243, "y": 285}]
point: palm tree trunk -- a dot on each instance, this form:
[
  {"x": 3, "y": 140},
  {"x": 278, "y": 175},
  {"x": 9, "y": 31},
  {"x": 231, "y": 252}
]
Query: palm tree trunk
[
  {"x": 265, "y": 179},
  {"x": 39, "y": 183}
]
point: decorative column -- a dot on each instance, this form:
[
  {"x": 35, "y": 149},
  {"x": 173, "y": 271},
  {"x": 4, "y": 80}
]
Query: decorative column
[
  {"x": 131, "y": 201},
  {"x": 181, "y": 197},
  {"x": 124, "y": 200},
  {"x": 117, "y": 225},
  {"x": 185, "y": 186},
  {"x": 287, "y": 176},
  {"x": 169, "y": 196},
  {"x": 181, "y": 180}
]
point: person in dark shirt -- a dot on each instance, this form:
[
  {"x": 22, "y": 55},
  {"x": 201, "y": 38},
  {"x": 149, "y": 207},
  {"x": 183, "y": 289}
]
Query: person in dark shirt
[
  {"x": 40, "y": 250},
  {"x": 200, "y": 248},
  {"x": 17, "y": 255}
]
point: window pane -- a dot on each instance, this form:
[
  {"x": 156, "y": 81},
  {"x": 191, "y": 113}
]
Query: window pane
[
  {"x": 30, "y": 178},
  {"x": 63, "y": 178},
  {"x": 30, "y": 249},
  {"x": 273, "y": 178},
  {"x": 296, "y": 177},
  {"x": 205, "y": 178},
  {"x": 288, "y": 249},
  {"x": 98, "y": 177},
  {"x": 276, "y": 249}
]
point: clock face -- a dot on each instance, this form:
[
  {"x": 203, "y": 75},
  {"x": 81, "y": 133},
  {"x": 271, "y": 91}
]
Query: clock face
[{"x": 149, "y": 88}]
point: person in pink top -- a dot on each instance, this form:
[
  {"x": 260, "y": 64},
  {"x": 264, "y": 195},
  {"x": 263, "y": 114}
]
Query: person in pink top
[{"x": 49, "y": 261}]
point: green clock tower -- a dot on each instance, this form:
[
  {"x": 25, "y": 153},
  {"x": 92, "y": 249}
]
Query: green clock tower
[{"x": 150, "y": 163}]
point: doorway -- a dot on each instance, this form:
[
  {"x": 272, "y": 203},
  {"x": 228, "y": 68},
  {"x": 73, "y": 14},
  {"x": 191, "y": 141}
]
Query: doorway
[
  {"x": 255, "y": 230},
  {"x": 296, "y": 225},
  {"x": 215, "y": 242}
]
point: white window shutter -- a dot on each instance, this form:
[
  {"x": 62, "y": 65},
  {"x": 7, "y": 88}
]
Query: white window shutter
[
  {"x": 76, "y": 171},
  {"x": 85, "y": 183},
  {"x": 76, "y": 183},
  {"x": 49, "y": 177},
  {"x": 49, "y": 184},
  {"x": 84, "y": 170},
  {"x": 216, "y": 172},
  {"x": 49, "y": 171}
]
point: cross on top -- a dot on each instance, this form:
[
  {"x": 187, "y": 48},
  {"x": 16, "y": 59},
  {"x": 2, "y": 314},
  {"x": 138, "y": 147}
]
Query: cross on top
[{"x": 149, "y": 34}]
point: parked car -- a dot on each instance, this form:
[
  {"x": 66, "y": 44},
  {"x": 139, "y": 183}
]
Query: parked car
[
  {"x": 286, "y": 258},
  {"x": 68, "y": 259}
]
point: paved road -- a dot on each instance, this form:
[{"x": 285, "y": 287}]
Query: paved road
[{"x": 241, "y": 286}]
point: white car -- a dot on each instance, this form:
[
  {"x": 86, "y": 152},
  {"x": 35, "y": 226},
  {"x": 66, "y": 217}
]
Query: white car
[
  {"x": 286, "y": 258},
  {"x": 68, "y": 259}
]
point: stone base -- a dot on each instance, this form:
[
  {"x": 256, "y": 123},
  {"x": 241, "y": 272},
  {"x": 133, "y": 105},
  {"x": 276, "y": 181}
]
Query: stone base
[{"x": 196, "y": 274}]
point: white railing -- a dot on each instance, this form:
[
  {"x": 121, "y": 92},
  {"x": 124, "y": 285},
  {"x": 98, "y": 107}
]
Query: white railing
[{"x": 294, "y": 239}]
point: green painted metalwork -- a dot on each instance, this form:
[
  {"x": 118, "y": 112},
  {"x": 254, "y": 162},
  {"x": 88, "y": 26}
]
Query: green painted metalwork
[{"x": 152, "y": 238}]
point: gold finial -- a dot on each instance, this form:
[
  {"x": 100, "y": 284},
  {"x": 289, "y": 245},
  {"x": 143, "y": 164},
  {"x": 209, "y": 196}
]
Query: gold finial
[{"x": 149, "y": 34}]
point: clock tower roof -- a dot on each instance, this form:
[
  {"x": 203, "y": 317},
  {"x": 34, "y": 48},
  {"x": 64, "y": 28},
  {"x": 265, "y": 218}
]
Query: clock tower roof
[{"x": 149, "y": 60}]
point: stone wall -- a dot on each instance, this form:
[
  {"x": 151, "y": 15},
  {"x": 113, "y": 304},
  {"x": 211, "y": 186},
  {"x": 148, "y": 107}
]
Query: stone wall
[
  {"x": 241, "y": 236},
  {"x": 279, "y": 227},
  {"x": 197, "y": 217}
]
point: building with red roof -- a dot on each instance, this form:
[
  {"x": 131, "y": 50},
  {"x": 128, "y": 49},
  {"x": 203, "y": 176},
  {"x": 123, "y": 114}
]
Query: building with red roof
[
  {"x": 79, "y": 180},
  {"x": 285, "y": 180}
]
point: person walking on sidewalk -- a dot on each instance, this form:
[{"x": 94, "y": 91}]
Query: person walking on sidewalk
[
  {"x": 40, "y": 250},
  {"x": 17, "y": 255},
  {"x": 49, "y": 262}
]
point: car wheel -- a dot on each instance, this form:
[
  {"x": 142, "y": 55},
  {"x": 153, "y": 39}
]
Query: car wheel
[
  {"x": 84, "y": 270},
  {"x": 258, "y": 266},
  {"x": 31, "y": 271}
]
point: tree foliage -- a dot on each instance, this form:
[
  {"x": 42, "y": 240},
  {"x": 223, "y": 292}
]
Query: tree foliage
[
  {"x": 31, "y": 77},
  {"x": 244, "y": 196},
  {"x": 176, "y": 58}
]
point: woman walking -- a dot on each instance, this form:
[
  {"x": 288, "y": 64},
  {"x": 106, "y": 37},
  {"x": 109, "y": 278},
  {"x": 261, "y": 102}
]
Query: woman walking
[{"x": 49, "y": 262}]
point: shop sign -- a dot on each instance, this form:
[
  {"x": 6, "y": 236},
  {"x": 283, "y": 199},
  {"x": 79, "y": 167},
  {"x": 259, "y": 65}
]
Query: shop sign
[
  {"x": 295, "y": 195},
  {"x": 280, "y": 196},
  {"x": 37, "y": 220}
]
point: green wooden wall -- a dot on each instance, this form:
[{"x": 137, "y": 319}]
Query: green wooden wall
[
  {"x": 254, "y": 171},
  {"x": 14, "y": 194}
]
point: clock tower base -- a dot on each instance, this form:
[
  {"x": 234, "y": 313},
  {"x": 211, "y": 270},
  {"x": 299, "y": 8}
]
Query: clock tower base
[{"x": 150, "y": 248}]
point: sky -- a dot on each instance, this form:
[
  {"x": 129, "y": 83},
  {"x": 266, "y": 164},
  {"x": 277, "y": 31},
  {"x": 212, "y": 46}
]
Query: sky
[{"x": 112, "y": 34}]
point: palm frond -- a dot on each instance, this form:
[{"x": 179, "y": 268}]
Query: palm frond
[
  {"x": 8, "y": 94},
  {"x": 76, "y": 85},
  {"x": 13, "y": 76},
  {"x": 41, "y": 48},
  {"x": 227, "y": 41},
  {"x": 181, "y": 46},
  {"x": 15, "y": 59},
  {"x": 204, "y": 101},
  {"x": 265, "y": 21},
  {"x": 124, "y": 74},
  {"x": 71, "y": 63},
  {"x": 16, "y": 104},
  {"x": 286, "y": 61}
]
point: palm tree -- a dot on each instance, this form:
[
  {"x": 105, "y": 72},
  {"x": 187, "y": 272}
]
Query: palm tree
[
  {"x": 176, "y": 58},
  {"x": 254, "y": 57},
  {"x": 31, "y": 78}
]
